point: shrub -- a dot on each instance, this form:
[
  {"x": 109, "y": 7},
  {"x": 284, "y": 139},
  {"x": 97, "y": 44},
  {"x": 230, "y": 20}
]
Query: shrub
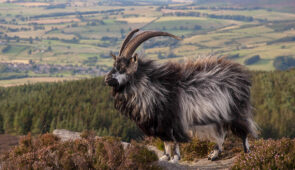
[
  {"x": 284, "y": 62},
  {"x": 48, "y": 152},
  {"x": 268, "y": 154},
  {"x": 172, "y": 55},
  {"x": 195, "y": 149},
  {"x": 157, "y": 142},
  {"x": 139, "y": 157},
  {"x": 252, "y": 60},
  {"x": 6, "y": 49}
]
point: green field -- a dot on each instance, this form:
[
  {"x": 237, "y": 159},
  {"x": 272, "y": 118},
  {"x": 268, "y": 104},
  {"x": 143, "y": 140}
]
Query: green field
[{"x": 82, "y": 29}]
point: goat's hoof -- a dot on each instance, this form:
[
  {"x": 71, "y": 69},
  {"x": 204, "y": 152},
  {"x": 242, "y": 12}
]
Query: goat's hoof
[
  {"x": 164, "y": 158},
  {"x": 213, "y": 155},
  {"x": 247, "y": 151},
  {"x": 175, "y": 159},
  {"x": 214, "y": 158},
  {"x": 210, "y": 155}
]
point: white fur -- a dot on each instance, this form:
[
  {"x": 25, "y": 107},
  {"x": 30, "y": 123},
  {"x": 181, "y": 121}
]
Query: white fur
[
  {"x": 247, "y": 144},
  {"x": 168, "y": 148},
  {"x": 121, "y": 78},
  {"x": 177, "y": 150},
  {"x": 214, "y": 155},
  {"x": 164, "y": 158},
  {"x": 172, "y": 152},
  {"x": 175, "y": 159}
]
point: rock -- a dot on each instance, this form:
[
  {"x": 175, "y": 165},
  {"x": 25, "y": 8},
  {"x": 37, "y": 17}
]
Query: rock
[{"x": 66, "y": 135}]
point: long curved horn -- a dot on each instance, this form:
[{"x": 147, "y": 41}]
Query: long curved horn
[
  {"x": 127, "y": 39},
  {"x": 136, "y": 41}
]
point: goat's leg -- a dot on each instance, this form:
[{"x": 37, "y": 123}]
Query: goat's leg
[
  {"x": 167, "y": 152},
  {"x": 176, "y": 153},
  {"x": 219, "y": 139},
  {"x": 215, "y": 153},
  {"x": 240, "y": 128},
  {"x": 245, "y": 144}
]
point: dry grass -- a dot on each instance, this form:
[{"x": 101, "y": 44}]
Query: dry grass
[
  {"x": 33, "y": 4},
  {"x": 137, "y": 19},
  {"x": 15, "y": 61},
  {"x": 27, "y": 34},
  {"x": 162, "y": 19},
  {"x": 55, "y": 20}
]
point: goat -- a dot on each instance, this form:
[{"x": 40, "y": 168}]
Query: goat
[{"x": 204, "y": 98}]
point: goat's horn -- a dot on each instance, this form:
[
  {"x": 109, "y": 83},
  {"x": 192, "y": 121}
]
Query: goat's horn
[
  {"x": 127, "y": 39},
  {"x": 136, "y": 41}
]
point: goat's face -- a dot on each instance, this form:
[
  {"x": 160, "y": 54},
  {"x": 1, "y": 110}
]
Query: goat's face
[
  {"x": 123, "y": 69},
  {"x": 126, "y": 63}
]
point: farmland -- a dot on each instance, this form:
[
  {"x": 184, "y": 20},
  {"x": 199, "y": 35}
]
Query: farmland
[{"x": 83, "y": 33}]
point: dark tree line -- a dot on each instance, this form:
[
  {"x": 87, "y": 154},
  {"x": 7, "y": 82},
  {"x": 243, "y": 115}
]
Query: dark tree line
[
  {"x": 76, "y": 105},
  {"x": 281, "y": 40},
  {"x": 273, "y": 98},
  {"x": 231, "y": 17},
  {"x": 59, "y": 14}
]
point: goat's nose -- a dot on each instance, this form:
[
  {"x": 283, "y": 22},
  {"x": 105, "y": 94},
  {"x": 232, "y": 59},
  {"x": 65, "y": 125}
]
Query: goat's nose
[{"x": 107, "y": 79}]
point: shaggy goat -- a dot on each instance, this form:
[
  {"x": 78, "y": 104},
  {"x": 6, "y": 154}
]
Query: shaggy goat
[{"x": 175, "y": 102}]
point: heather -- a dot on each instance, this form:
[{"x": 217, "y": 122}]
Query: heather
[
  {"x": 48, "y": 152},
  {"x": 268, "y": 154}
]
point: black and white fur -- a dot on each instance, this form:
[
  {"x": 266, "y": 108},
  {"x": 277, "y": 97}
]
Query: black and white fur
[{"x": 204, "y": 98}]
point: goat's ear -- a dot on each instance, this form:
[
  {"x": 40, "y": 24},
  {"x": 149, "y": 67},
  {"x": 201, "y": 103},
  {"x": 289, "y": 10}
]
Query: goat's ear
[
  {"x": 133, "y": 64},
  {"x": 113, "y": 55},
  {"x": 134, "y": 59}
]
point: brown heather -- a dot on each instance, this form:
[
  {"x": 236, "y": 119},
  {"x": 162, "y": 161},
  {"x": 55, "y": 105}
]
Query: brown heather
[
  {"x": 268, "y": 154},
  {"x": 48, "y": 152}
]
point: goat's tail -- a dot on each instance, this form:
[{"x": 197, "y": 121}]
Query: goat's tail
[
  {"x": 243, "y": 127},
  {"x": 253, "y": 127}
]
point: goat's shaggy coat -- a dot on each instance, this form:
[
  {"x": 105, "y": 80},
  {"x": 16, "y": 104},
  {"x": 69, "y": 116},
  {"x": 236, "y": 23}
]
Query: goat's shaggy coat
[
  {"x": 175, "y": 102},
  {"x": 168, "y": 100}
]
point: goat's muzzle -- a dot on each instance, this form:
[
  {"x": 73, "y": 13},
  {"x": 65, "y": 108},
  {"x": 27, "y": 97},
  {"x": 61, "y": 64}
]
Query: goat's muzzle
[{"x": 110, "y": 81}]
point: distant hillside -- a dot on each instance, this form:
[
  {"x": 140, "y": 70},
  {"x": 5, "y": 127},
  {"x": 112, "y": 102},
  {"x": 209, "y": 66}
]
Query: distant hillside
[
  {"x": 281, "y": 5},
  {"x": 87, "y": 104}
]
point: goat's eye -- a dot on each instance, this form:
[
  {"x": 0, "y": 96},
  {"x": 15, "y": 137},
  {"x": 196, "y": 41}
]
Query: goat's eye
[{"x": 121, "y": 71}]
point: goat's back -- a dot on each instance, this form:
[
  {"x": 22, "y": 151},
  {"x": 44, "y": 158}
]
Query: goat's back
[{"x": 214, "y": 91}]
